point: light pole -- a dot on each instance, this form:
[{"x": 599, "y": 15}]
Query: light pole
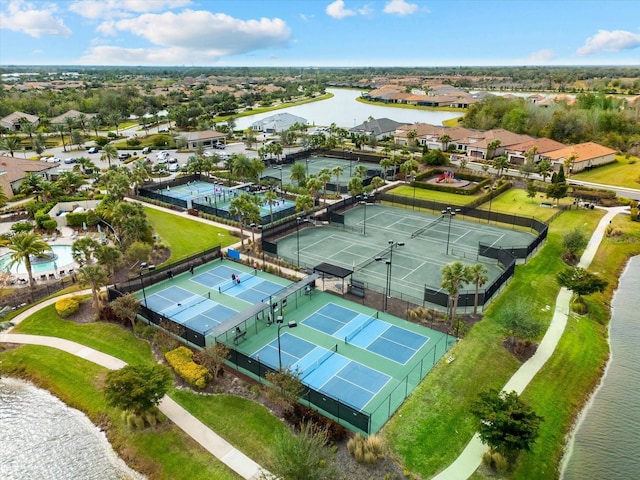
[
  {"x": 490, "y": 201},
  {"x": 363, "y": 201},
  {"x": 280, "y": 322},
  {"x": 386, "y": 289},
  {"x": 144, "y": 294},
  {"x": 298, "y": 222},
  {"x": 452, "y": 213}
]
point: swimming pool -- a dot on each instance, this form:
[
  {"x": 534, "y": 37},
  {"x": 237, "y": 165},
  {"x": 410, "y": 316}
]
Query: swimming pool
[{"x": 61, "y": 259}]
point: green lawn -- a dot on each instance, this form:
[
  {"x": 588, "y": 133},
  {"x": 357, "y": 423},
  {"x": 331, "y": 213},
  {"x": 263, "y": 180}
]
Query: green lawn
[
  {"x": 515, "y": 201},
  {"x": 622, "y": 173},
  {"x": 424, "y": 194},
  {"x": 163, "y": 452},
  {"x": 186, "y": 236},
  {"x": 436, "y": 416}
]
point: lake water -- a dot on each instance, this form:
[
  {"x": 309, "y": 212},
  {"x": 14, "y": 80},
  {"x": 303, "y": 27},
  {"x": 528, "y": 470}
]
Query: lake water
[
  {"x": 42, "y": 438},
  {"x": 606, "y": 444},
  {"x": 345, "y": 111}
]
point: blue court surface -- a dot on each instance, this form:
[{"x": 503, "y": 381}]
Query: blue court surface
[
  {"x": 251, "y": 289},
  {"x": 377, "y": 336},
  {"x": 325, "y": 370},
  {"x": 193, "y": 311}
]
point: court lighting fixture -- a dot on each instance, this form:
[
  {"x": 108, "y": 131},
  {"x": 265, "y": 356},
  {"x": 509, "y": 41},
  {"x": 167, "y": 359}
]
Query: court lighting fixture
[
  {"x": 281, "y": 325},
  {"x": 362, "y": 200},
  {"x": 298, "y": 222},
  {"x": 451, "y": 212}
]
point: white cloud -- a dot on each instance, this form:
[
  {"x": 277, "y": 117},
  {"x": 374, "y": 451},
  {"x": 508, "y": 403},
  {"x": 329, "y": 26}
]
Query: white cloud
[
  {"x": 24, "y": 17},
  {"x": 204, "y": 31},
  {"x": 107, "y": 28},
  {"x": 542, "y": 56},
  {"x": 97, "y": 9},
  {"x": 338, "y": 10},
  {"x": 110, "y": 55},
  {"x": 400, "y": 7},
  {"x": 610, "y": 41}
]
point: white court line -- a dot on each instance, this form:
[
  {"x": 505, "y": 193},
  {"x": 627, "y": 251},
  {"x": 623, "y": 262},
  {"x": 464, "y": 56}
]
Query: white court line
[{"x": 499, "y": 238}]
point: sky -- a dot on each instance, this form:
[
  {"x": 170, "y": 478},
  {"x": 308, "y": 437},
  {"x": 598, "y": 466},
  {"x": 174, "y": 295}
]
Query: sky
[{"x": 339, "y": 33}]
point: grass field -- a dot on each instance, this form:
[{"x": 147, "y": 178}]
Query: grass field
[
  {"x": 515, "y": 201},
  {"x": 624, "y": 172},
  {"x": 436, "y": 416},
  {"x": 186, "y": 236},
  {"x": 443, "y": 197}
]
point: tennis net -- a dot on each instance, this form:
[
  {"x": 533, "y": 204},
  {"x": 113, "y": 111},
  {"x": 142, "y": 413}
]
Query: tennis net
[
  {"x": 369, "y": 261},
  {"x": 233, "y": 282},
  {"x": 190, "y": 303},
  {"x": 427, "y": 227},
  {"x": 364, "y": 325},
  {"x": 325, "y": 356}
]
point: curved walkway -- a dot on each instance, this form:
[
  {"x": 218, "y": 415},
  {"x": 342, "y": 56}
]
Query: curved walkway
[
  {"x": 471, "y": 457},
  {"x": 216, "y": 445}
]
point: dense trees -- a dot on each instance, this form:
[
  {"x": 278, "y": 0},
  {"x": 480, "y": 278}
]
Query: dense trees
[{"x": 137, "y": 388}]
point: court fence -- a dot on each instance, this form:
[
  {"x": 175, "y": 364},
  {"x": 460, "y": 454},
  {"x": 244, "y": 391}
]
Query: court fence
[{"x": 154, "y": 190}]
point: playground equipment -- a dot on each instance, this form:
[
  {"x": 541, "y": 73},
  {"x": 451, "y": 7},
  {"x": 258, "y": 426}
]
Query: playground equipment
[{"x": 447, "y": 177}]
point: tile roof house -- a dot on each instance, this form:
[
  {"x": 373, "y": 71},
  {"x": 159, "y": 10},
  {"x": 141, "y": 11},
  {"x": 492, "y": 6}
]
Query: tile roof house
[
  {"x": 206, "y": 138},
  {"x": 582, "y": 156},
  {"x": 12, "y": 121},
  {"x": 378, "y": 128},
  {"x": 13, "y": 170},
  {"x": 478, "y": 145},
  {"x": 430, "y": 135},
  {"x": 75, "y": 114},
  {"x": 277, "y": 123},
  {"x": 516, "y": 153}
]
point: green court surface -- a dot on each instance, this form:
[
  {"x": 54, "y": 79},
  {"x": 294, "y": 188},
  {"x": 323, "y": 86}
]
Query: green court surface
[
  {"x": 315, "y": 164},
  {"x": 430, "y": 242},
  {"x": 355, "y": 361}
]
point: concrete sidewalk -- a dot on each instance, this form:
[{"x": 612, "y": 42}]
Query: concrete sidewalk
[
  {"x": 213, "y": 443},
  {"x": 469, "y": 460}
]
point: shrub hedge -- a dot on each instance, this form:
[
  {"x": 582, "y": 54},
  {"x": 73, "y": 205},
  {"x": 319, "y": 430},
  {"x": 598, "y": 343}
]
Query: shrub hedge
[
  {"x": 181, "y": 360},
  {"x": 67, "y": 306}
]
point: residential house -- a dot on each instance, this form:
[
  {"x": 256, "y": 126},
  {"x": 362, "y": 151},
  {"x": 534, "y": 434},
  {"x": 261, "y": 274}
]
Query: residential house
[
  {"x": 74, "y": 114},
  {"x": 13, "y": 170},
  {"x": 516, "y": 153},
  {"x": 582, "y": 156},
  {"x": 12, "y": 121},
  {"x": 277, "y": 123},
  {"x": 478, "y": 144},
  {"x": 379, "y": 128},
  {"x": 206, "y": 138}
]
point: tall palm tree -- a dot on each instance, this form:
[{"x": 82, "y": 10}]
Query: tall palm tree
[
  {"x": 376, "y": 183},
  {"x": 500, "y": 163},
  {"x": 24, "y": 246},
  {"x": 28, "y": 128},
  {"x": 61, "y": 130},
  {"x": 110, "y": 258},
  {"x": 244, "y": 207},
  {"x": 70, "y": 125},
  {"x": 3, "y": 198},
  {"x": 360, "y": 171},
  {"x": 242, "y": 166},
  {"x": 109, "y": 152},
  {"x": 409, "y": 169},
  {"x": 69, "y": 182},
  {"x": 444, "y": 140},
  {"x": 453, "y": 275},
  {"x": 477, "y": 276},
  {"x": 10, "y": 144},
  {"x": 385, "y": 163},
  {"x": 270, "y": 198},
  {"x": 337, "y": 171},
  {"x": 298, "y": 173},
  {"x": 492, "y": 147},
  {"x": 304, "y": 203},
  {"x": 325, "y": 177},
  {"x": 96, "y": 277},
  {"x": 94, "y": 124}
]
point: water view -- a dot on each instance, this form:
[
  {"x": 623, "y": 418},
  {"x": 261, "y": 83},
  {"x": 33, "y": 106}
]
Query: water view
[
  {"x": 606, "y": 443},
  {"x": 345, "y": 111},
  {"x": 60, "y": 257},
  {"x": 42, "y": 438}
]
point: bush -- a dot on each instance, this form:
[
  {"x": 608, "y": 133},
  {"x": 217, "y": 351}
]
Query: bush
[
  {"x": 181, "y": 360},
  {"x": 50, "y": 225},
  {"x": 366, "y": 450},
  {"x": 298, "y": 415},
  {"x": 67, "y": 306}
]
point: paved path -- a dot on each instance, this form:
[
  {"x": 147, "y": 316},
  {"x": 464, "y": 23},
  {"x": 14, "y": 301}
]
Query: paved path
[
  {"x": 216, "y": 445},
  {"x": 471, "y": 457}
]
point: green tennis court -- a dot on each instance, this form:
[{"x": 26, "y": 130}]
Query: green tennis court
[{"x": 422, "y": 244}]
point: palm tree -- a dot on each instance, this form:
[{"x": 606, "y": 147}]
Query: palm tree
[
  {"x": 409, "y": 169},
  {"x": 31, "y": 185},
  {"x": 270, "y": 198},
  {"x": 491, "y": 148},
  {"x": 298, "y": 173},
  {"x": 500, "y": 163},
  {"x": 244, "y": 207},
  {"x": 337, "y": 171},
  {"x": 444, "y": 140},
  {"x": 109, "y": 152},
  {"x": 28, "y": 128},
  {"x": 96, "y": 277},
  {"x": 24, "y": 246},
  {"x": 242, "y": 166},
  {"x": 544, "y": 169},
  {"x": 10, "y": 144},
  {"x": 411, "y": 136},
  {"x": 257, "y": 167},
  {"x": 94, "y": 123},
  {"x": 61, "y": 129},
  {"x": 313, "y": 185},
  {"x": 304, "y": 203},
  {"x": 83, "y": 251},
  {"x": 3, "y": 198},
  {"x": 376, "y": 183},
  {"x": 360, "y": 171},
  {"x": 478, "y": 277},
  {"x": 385, "y": 163},
  {"x": 453, "y": 275},
  {"x": 69, "y": 182},
  {"x": 110, "y": 258},
  {"x": 70, "y": 125},
  {"x": 325, "y": 177}
]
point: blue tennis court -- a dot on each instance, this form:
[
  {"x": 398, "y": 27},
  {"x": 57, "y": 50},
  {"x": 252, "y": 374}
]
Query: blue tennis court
[
  {"x": 377, "y": 336},
  {"x": 190, "y": 310},
  {"x": 251, "y": 288},
  {"x": 325, "y": 370}
]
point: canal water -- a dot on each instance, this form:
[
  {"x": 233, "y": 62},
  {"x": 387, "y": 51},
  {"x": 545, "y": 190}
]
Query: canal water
[
  {"x": 606, "y": 443},
  {"x": 42, "y": 438},
  {"x": 345, "y": 111}
]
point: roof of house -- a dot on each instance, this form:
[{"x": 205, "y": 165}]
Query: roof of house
[
  {"x": 280, "y": 121},
  {"x": 582, "y": 152},
  {"x": 202, "y": 135},
  {"x": 70, "y": 114},
  {"x": 378, "y": 126},
  {"x": 505, "y": 137},
  {"x": 17, "y": 168},
  {"x": 16, "y": 116},
  {"x": 543, "y": 145}
]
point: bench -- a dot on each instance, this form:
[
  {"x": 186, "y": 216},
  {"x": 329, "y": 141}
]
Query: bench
[
  {"x": 239, "y": 336},
  {"x": 357, "y": 288}
]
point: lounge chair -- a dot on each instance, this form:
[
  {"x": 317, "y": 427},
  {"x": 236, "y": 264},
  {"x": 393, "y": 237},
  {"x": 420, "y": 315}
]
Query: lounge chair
[
  {"x": 45, "y": 237},
  {"x": 54, "y": 236}
]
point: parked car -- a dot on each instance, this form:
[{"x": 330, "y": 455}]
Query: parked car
[
  {"x": 52, "y": 160},
  {"x": 69, "y": 160},
  {"x": 219, "y": 146},
  {"x": 161, "y": 154},
  {"x": 173, "y": 160},
  {"x": 146, "y": 150},
  {"x": 123, "y": 156},
  {"x": 174, "y": 167},
  {"x": 93, "y": 150}
]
